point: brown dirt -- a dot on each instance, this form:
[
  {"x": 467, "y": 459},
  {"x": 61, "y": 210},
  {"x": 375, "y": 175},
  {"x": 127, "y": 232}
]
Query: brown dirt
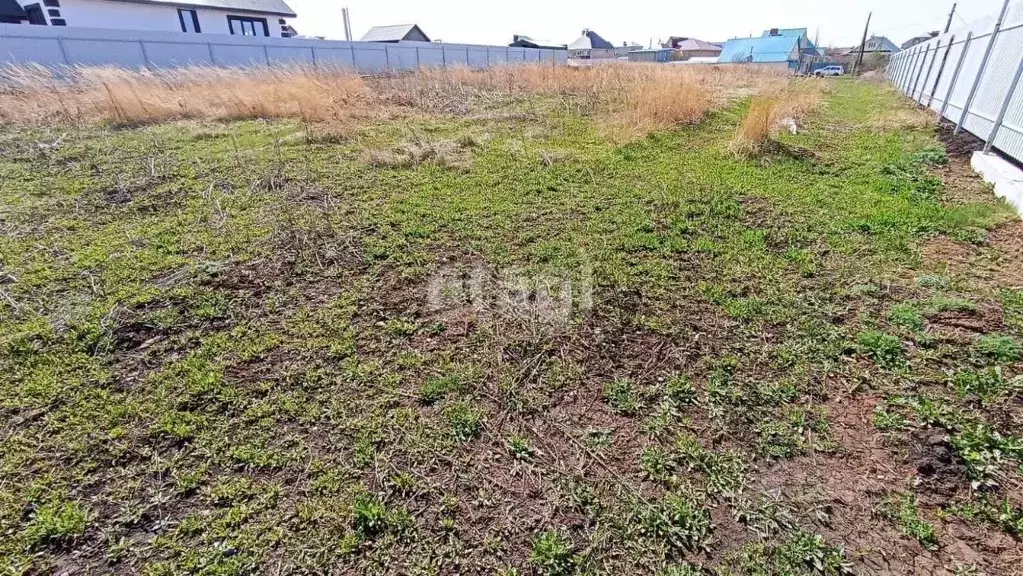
[{"x": 959, "y": 146}]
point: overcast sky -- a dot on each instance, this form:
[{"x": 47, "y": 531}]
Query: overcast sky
[{"x": 840, "y": 23}]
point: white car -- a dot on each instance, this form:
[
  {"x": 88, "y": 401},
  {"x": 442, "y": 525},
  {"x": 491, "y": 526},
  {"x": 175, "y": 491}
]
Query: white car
[{"x": 829, "y": 71}]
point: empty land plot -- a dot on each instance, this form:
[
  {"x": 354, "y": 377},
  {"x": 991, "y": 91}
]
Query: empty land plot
[{"x": 533, "y": 321}]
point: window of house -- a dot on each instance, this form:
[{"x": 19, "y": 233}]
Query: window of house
[
  {"x": 245, "y": 26},
  {"x": 35, "y": 15},
  {"x": 189, "y": 20}
]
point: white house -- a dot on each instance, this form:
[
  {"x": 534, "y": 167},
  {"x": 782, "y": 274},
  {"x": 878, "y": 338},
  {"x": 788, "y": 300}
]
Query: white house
[{"x": 239, "y": 17}]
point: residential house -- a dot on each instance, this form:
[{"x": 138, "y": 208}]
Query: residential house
[
  {"x": 687, "y": 48},
  {"x": 876, "y": 45},
  {"x": 591, "y": 46},
  {"x": 521, "y": 41},
  {"x": 239, "y": 17},
  {"x": 11, "y": 12},
  {"x": 918, "y": 40},
  {"x": 396, "y": 33},
  {"x": 788, "y": 48}
]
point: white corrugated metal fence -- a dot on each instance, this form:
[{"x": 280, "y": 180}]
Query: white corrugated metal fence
[{"x": 971, "y": 76}]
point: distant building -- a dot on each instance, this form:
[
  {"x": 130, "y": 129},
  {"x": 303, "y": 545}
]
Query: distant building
[
  {"x": 237, "y": 17},
  {"x": 591, "y": 46},
  {"x": 521, "y": 41},
  {"x": 778, "y": 47},
  {"x": 651, "y": 55},
  {"x": 685, "y": 48},
  {"x": 396, "y": 33},
  {"x": 876, "y": 45},
  {"x": 11, "y": 12},
  {"x": 918, "y": 40}
]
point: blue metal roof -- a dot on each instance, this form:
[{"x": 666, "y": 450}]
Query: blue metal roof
[{"x": 764, "y": 50}]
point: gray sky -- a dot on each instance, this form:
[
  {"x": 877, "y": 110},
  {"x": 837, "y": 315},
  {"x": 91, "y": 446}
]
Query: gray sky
[{"x": 482, "y": 22}]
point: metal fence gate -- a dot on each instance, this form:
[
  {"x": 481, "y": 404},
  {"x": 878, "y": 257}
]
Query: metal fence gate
[{"x": 971, "y": 76}]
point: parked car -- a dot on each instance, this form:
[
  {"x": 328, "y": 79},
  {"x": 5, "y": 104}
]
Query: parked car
[{"x": 830, "y": 71}]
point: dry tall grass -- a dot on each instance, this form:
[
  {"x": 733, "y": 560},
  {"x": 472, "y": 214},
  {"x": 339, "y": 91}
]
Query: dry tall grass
[
  {"x": 773, "y": 111},
  {"x": 629, "y": 99}
]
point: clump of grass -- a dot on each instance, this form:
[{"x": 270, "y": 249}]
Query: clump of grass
[
  {"x": 552, "y": 553},
  {"x": 436, "y": 389},
  {"x": 769, "y": 113},
  {"x": 884, "y": 349},
  {"x": 520, "y": 448},
  {"x": 57, "y": 522},
  {"x": 621, "y": 394},
  {"x": 369, "y": 514},
  {"x": 466, "y": 420},
  {"x": 999, "y": 347},
  {"x": 629, "y": 100},
  {"x": 904, "y": 511}
]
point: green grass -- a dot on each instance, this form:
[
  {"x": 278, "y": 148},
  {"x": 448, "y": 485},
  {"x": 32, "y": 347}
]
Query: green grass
[{"x": 230, "y": 348}]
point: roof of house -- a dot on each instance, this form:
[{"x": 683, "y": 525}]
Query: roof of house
[
  {"x": 787, "y": 32},
  {"x": 391, "y": 33},
  {"x": 590, "y": 40},
  {"x": 11, "y": 9},
  {"x": 764, "y": 50},
  {"x": 275, "y": 7},
  {"x": 886, "y": 45},
  {"x": 694, "y": 44},
  {"x": 523, "y": 41}
]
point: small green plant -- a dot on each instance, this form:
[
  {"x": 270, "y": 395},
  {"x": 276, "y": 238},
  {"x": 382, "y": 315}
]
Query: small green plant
[
  {"x": 904, "y": 510},
  {"x": 887, "y": 420},
  {"x": 552, "y": 553},
  {"x": 884, "y": 349},
  {"x": 520, "y": 448},
  {"x": 680, "y": 520},
  {"x": 906, "y": 316},
  {"x": 989, "y": 385},
  {"x": 622, "y": 396},
  {"x": 999, "y": 347},
  {"x": 400, "y": 327},
  {"x": 466, "y": 420},
  {"x": 683, "y": 569},
  {"x": 436, "y": 388},
  {"x": 369, "y": 514},
  {"x": 656, "y": 463},
  {"x": 935, "y": 281},
  {"x": 680, "y": 389},
  {"x": 931, "y": 156},
  {"x": 57, "y": 522}
]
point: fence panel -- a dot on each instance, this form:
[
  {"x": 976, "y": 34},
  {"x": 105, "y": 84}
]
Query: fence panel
[{"x": 56, "y": 46}]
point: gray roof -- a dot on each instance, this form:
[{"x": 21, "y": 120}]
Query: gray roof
[
  {"x": 692, "y": 44},
  {"x": 275, "y": 7},
  {"x": 393, "y": 33},
  {"x": 11, "y": 9},
  {"x": 590, "y": 40}
]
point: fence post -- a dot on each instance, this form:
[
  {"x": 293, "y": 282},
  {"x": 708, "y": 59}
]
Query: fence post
[
  {"x": 467, "y": 61},
  {"x": 312, "y": 54},
  {"x": 944, "y": 61},
  {"x": 983, "y": 67},
  {"x": 63, "y": 51},
  {"x": 266, "y": 54},
  {"x": 418, "y": 63},
  {"x": 145, "y": 57},
  {"x": 913, "y": 94},
  {"x": 1005, "y": 107},
  {"x": 919, "y": 73},
  {"x": 955, "y": 75}
]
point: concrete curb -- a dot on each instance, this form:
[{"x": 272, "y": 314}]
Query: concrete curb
[{"x": 1006, "y": 177}]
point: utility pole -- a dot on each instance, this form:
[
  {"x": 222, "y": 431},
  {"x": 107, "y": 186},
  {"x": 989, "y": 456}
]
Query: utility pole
[
  {"x": 347, "y": 24},
  {"x": 948, "y": 26},
  {"x": 863, "y": 45}
]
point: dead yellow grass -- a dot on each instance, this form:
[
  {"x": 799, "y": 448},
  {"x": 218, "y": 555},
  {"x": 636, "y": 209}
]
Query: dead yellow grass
[
  {"x": 773, "y": 111},
  {"x": 629, "y": 99}
]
